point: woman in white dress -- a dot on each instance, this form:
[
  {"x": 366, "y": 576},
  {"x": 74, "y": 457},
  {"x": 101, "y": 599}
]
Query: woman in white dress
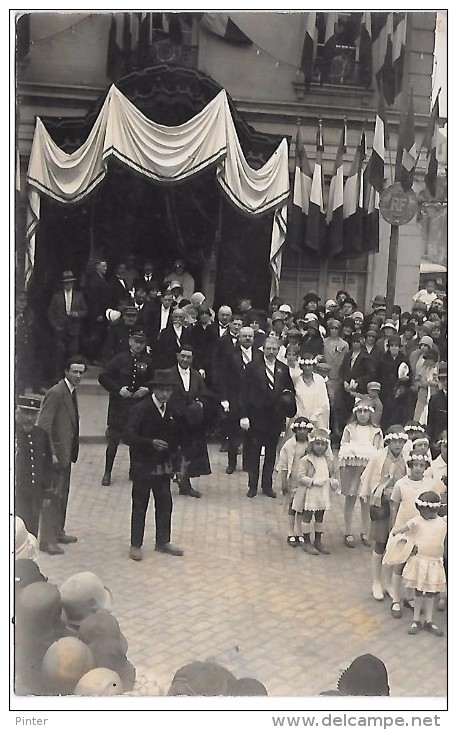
[{"x": 311, "y": 394}]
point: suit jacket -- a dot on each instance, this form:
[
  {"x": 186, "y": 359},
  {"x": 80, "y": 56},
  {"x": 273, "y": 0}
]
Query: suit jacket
[
  {"x": 59, "y": 320},
  {"x": 152, "y": 323},
  {"x": 231, "y": 375},
  {"x": 117, "y": 292},
  {"x": 60, "y": 421},
  {"x": 362, "y": 371},
  {"x": 97, "y": 296},
  {"x": 261, "y": 404},
  {"x": 180, "y": 399},
  {"x": 145, "y": 424},
  {"x": 168, "y": 345},
  {"x": 153, "y": 283},
  {"x": 203, "y": 340},
  {"x": 437, "y": 415}
]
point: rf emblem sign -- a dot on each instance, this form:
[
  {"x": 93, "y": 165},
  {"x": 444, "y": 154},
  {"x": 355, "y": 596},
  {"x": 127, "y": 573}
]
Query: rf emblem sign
[{"x": 396, "y": 206}]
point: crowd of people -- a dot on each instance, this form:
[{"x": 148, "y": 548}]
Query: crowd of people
[{"x": 327, "y": 399}]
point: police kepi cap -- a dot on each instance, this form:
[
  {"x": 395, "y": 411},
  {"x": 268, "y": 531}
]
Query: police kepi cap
[
  {"x": 29, "y": 403},
  {"x": 139, "y": 336}
]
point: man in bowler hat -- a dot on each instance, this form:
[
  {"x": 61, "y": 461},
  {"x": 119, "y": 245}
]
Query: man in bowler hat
[
  {"x": 153, "y": 434},
  {"x": 66, "y": 313}
]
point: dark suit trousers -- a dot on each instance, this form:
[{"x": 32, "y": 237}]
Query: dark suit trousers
[
  {"x": 235, "y": 438},
  {"x": 27, "y": 507},
  {"x": 65, "y": 345},
  {"x": 163, "y": 504},
  {"x": 63, "y": 489},
  {"x": 255, "y": 439}
]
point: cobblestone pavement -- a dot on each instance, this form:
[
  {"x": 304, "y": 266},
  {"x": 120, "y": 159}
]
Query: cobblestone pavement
[{"x": 240, "y": 595}]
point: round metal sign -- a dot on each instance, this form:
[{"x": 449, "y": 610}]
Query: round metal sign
[{"x": 396, "y": 206}]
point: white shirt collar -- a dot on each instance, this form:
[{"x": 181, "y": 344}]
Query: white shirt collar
[
  {"x": 69, "y": 385},
  {"x": 157, "y": 403}
]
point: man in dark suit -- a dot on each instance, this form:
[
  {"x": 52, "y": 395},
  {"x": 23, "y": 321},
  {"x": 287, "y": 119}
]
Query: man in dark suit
[
  {"x": 59, "y": 417},
  {"x": 118, "y": 287},
  {"x": 438, "y": 408},
  {"x": 153, "y": 434},
  {"x": 148, "y": 279},
  {"x": 97, "y": 297},
  {"x": 159, "y": 317},
  {"x": 170, "y": 340},
  {"x": 229, "y": 381},
  {"x": 66, "y": 313},
  {"x": 221, "y": 353},
  {"x": 265, "y": 385},
  {"x": 125, "y": 378},
  {"x": 195, "y": 405}
]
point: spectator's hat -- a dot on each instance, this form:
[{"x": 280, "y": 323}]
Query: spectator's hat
[
  {"x": 163, "y": 377},
  {"x": 278, "y": 315},
  {"x": 311, "y": 297},
  {"x": 39, "y": 608},
  {"x": 372, "y": 331},
  {"x": 330, "y": 304},
  {"x": 112, "y": 315},
  {"x": 426, "y": 340},
  {"x": 26, "y": 572},
  {"x": 311, "y": 317},
  {"x": 203, "y": 679},
  {"x": 285, "y": 308},
  {"x": 68, "y": 276},
  {"x": 99, "y": 682},
  {"x": 427, "y": 326},
  {"x": 82, "y": 594},
  {"x": 366, "y": 676},
  {"x": 293, "y": 332},
  {"x": 139, "y": 336},
  {"x": 29, "y": 403},
  {"x": 24, "y": 541},
  {"x": 357, "y": 315},
  {"x": 197, "y": 298},
  {"x": 174, "y": 285},
  {"x": 389, "y": 323},
  {"x": 64, "y": 663},
  {"x": 379, "y": 302},
  {"x": 374, "y": 385}
]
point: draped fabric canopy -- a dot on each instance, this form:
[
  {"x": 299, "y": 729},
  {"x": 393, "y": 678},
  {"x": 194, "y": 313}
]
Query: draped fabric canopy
[{"x": 164, "y": 154}]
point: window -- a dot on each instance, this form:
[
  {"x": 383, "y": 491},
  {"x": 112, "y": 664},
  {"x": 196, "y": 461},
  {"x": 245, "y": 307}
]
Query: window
[{"x": 343, "y": 67}]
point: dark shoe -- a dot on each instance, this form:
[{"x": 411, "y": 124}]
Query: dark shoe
[
  {"x": 230, "y": 470},
  {"x": 136, "y": 553},
  {"x": 293, "y": 541},
  {"x": 251, "y": 493},
  {"x": 66, "y": 539},
  {"x": 415, "y": 627},
  {"x": 269, "y": 493},
  {"x": 395, "y": 610},
  {"x": 106, "y": 481},
  {"x": 190, "y": 493},
  {"x": 169, "y": 549},
  {"x": 321, "y": 549},
  {"x": 309, "y": 548},
  {"x": 409, "y": 604},
  {"x": 51, "y": 548},
  {"x": 365, "y": 541},
  {"x": 433, "y": 628}
]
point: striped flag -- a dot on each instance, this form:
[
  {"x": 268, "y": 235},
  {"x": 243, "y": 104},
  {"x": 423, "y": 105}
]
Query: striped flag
[
  {"x": 364, "y": 50},
  {"x": 374, "y": 172},
  {"x": 371, "y": 215},
  {"x": 331, "y": 19},
  {"x": 301, "y": 194},
  {"x": 335, "y": 200},
  {"x": 222, "y": 25},
  {"x": 353, "y": 210},
  {"x": 379, "y": 35},
  {"x": 406, "y": 150},
  {"x": 315, "y": 227},
  {"x": 309, "y": 49},
  {"x": 398, "y": 53},
  {"x": 430, "y": 144}
]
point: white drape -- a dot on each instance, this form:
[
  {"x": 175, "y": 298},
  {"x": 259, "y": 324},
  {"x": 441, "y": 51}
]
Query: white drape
[{"x": 163, "y": 154}]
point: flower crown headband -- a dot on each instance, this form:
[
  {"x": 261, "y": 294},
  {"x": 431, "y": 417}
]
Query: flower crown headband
[
  {"x": 424, "y": 440},
  {"x": 432, "y": 505},
  {"x": 400, "y": 435},
  {"x": 418, "y": 457},
  {"x": 301, "y": 424},
  {"x": 441, "y": 441},
  {"x": 415, "y": 428},
  {"x": 308, "y": 361},
  {"x": 319, "y": 438},
  {"x": 362, "y": 407}
]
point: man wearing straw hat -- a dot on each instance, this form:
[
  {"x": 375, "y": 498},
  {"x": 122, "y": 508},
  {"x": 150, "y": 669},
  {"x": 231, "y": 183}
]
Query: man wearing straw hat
[{"x": 66, "y": 313}]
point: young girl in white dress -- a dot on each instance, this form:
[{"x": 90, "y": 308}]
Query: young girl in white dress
[
  {"x": 312, "y": 498},
  {"x": 288, "y": 466},
  {"x": 424, "y": 570},
  {"x": 360, "y": 440}
]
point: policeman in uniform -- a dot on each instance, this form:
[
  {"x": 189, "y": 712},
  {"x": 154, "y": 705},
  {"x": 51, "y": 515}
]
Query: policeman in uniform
[
  {"x": 117, "y": 338},
  {"x": 34, "y": 473},
  {"x": 125, "y": 378}
]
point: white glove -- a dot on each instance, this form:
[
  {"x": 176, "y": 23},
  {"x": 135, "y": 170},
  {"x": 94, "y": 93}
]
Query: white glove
[
  {"x": 202, "y": 373},
  {"x": 225, "y": 405},
  {"x": 244, "y": 423}
]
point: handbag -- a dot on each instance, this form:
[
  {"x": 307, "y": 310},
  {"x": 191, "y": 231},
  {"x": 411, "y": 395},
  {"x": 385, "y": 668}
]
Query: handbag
[{"x": 398, "y": 549}]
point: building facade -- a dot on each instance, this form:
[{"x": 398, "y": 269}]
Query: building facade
[{"x": 63, "y": 73}]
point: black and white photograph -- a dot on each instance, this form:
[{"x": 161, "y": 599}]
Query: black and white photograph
[{"x": 229, "y": 366}]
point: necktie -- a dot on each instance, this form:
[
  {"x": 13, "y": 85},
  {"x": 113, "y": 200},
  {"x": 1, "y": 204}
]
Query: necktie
[
  {"x": 245, "y": 356},
  {"x": 162, "y": 410},
  {"x": 270, "y": 371}
]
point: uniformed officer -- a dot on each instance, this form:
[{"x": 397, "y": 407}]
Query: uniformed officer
[
  {"x": 119, "y": 331},
  {"x": 33, "y": 465},
  {"x": 125, "y": 378}
]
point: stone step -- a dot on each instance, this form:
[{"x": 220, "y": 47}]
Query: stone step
[{"x": 93, "y": 408}]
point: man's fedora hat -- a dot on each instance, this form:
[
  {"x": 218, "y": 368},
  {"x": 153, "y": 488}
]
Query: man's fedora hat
[
  {"x": 163, "y": 377},
  {"x": 68, "y": 276}
]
